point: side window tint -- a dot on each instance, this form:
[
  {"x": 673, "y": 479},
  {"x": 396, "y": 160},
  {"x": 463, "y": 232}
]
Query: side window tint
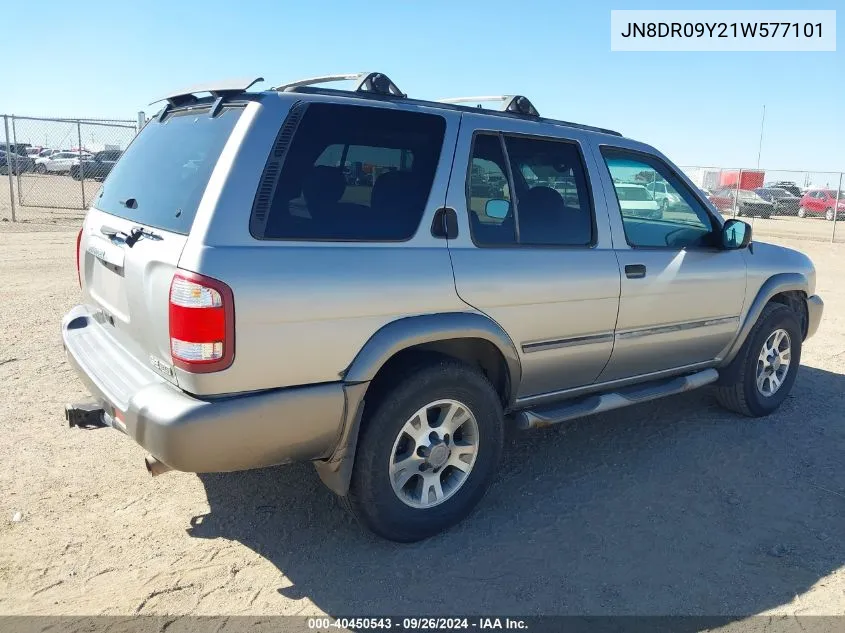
[
  {"x": 552, "y": 204},
  {"x": 488, "y": 195},
  {"x": 355, "y": 173},
  {"x": 657, "y": 209}
]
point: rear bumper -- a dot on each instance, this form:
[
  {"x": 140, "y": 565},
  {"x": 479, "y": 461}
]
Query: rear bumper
[
  {"x": 197, "y": 434},
  {"x": 815, "y": 308}
]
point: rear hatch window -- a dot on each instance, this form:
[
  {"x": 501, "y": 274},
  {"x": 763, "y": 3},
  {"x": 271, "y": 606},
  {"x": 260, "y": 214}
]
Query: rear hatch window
[{"x": 161, "y": 178}]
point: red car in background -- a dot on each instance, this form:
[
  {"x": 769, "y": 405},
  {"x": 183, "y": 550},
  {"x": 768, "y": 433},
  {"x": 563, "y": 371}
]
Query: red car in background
[{"x": 821, "y": 202}]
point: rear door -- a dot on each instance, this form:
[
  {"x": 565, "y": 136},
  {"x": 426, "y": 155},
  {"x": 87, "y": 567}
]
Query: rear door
[
  {"x": 533, "y": 250},
  {"x": 155, "y": 190}
]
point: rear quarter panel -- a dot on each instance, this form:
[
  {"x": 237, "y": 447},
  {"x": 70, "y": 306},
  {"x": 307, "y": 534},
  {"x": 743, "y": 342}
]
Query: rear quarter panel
[{"x": 303, "y": 310}]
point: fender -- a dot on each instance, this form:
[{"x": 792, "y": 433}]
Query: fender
[
  {"x": 781, "y": 282},
  {"x": 403, "y": 333},
  {"x": 429, "y": 328}
]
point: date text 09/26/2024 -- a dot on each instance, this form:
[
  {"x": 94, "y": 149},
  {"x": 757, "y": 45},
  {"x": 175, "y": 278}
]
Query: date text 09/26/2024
[{"x": 417, "y": 623}]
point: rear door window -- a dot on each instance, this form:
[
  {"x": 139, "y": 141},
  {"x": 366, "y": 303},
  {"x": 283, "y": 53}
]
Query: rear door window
[
  {"x": 166, "y": 169},
  {"x": 552, "y": 205},
  {"x": 354, "y": 173}
]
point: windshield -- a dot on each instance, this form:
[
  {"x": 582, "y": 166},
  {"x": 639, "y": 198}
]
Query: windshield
[
  {"x": 779, "y": 193},
  {"x": 634, "y": 193},
  {"x": 166, "y": 169}
]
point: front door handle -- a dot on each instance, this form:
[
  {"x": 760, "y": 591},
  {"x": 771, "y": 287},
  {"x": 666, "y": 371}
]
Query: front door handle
[{"x": 635, "y": 271}]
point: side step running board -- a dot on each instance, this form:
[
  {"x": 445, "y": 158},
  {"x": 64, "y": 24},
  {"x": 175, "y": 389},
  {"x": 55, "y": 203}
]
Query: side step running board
[{"x": 598, "y": 403}]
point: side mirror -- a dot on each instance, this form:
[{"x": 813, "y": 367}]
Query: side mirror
[
  {"x": 497, "y": 208},
  {"x": 736, "y": 234}
]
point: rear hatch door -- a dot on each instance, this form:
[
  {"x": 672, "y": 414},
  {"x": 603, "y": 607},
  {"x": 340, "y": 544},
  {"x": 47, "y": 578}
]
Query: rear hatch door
[{"x": 138, "y": 225}]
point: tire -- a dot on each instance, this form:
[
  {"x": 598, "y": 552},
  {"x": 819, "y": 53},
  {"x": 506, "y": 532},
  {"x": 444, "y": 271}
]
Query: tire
[
  {"x": 737, "y": 389},
  {"x": 74, "y": 173},
  {"x": 372, "y": 498},
  {"x": 802, "y": 212},
  {"x": 40, "y": 169},
  {"x": 828, "y": 215}
]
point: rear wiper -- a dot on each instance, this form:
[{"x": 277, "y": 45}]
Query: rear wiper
[{"x": 135, "y": 234}]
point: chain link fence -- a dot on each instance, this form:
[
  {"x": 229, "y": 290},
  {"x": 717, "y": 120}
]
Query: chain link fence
[
  {"x": 52, "y": 169},
  {"x": 777, "y": 202}
]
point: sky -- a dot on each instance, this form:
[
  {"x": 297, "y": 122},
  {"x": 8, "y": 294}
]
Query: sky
[{"x": 111, "y": 59}]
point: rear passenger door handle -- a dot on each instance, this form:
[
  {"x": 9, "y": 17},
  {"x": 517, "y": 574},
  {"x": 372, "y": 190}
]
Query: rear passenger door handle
[{"x": 635, "y": 271}]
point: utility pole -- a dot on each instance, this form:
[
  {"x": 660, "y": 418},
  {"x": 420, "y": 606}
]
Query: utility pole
[{"x": 760, "y": 146}]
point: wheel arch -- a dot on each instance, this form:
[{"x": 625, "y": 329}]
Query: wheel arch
[
  {"x": 790, "y": 289},
  {"x": 470, "y": 337}
]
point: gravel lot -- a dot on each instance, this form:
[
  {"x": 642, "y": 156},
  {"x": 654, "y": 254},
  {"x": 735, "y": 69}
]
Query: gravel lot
[{"x": 673, "y": 507}]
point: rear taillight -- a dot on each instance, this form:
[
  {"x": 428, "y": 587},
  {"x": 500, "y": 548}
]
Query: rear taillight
[
  {"x": 202, "y": 323},
  {"x": 79, "y": 258}
]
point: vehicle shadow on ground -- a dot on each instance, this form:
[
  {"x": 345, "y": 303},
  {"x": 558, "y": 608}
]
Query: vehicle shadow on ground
[{"x": 672, "y": 507}]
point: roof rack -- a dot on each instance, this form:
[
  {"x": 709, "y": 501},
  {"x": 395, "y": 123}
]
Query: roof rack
[
  {"x": 374, "y": 82},
  {"x": 510, "y": 103}
]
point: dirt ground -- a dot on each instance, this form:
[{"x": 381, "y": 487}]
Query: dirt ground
[{"x": 673, "y": 507}]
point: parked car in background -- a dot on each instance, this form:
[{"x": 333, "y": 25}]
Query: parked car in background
[
  {"x": 58, "y": 163},
  {"x": 784, "y": 202},
  {"x": 20, "y": 164},
  {"x": 742, "y": 201},
  {"x": 786, "y": 185},
  {"x": 637, "y": 200},
  {"x": 665, "y": 197},
  {"x": 95, "y": 167},
  {"x": 822, "y": 202}
]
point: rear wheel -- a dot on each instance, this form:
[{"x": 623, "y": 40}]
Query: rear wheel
[
  {"x": 828, "y": 215},
  {"x": 40, "y": 169},
  {"x": 427, "y": 453},
  {"x": 762, "y": 374},
  {"x": 802, "y": 212}
]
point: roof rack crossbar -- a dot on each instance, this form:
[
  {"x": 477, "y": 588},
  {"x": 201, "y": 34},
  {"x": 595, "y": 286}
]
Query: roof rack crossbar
[
  {"x": 517, "y": 104},
  {"x": 374, "y": 82}
]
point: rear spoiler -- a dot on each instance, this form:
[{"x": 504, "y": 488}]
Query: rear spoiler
[{"x": 220, "y": 90}]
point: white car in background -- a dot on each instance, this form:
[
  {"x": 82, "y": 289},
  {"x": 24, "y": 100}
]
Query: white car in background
[
  {"x": 58, "y": 163},
  {"x": 664, "y": 196},
  {"x": 637, "y": 200}
]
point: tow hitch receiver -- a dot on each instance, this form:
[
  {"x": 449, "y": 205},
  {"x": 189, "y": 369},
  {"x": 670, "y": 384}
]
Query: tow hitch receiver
[{"x": 85, "y": 415}]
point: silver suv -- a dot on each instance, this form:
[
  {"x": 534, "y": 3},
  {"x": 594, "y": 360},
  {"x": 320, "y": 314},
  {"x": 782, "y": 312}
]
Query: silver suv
[{"x": 381, "y": 285}]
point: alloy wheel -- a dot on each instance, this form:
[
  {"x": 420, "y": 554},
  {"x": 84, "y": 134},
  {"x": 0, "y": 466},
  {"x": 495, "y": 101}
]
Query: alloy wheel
[
  {"x": 434, "y": 453},
  {"x": 773, "y": 362}
]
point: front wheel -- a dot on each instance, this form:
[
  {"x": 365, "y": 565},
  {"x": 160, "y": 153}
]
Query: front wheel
[
  {"x": 802, "y": 212},
  {"x": 828, "y": 215},
  {"x": 762, "y": 374},
  {"x": 427, "y": 453}
]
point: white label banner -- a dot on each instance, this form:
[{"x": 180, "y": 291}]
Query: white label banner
[{"x": 753, "y": 30}]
